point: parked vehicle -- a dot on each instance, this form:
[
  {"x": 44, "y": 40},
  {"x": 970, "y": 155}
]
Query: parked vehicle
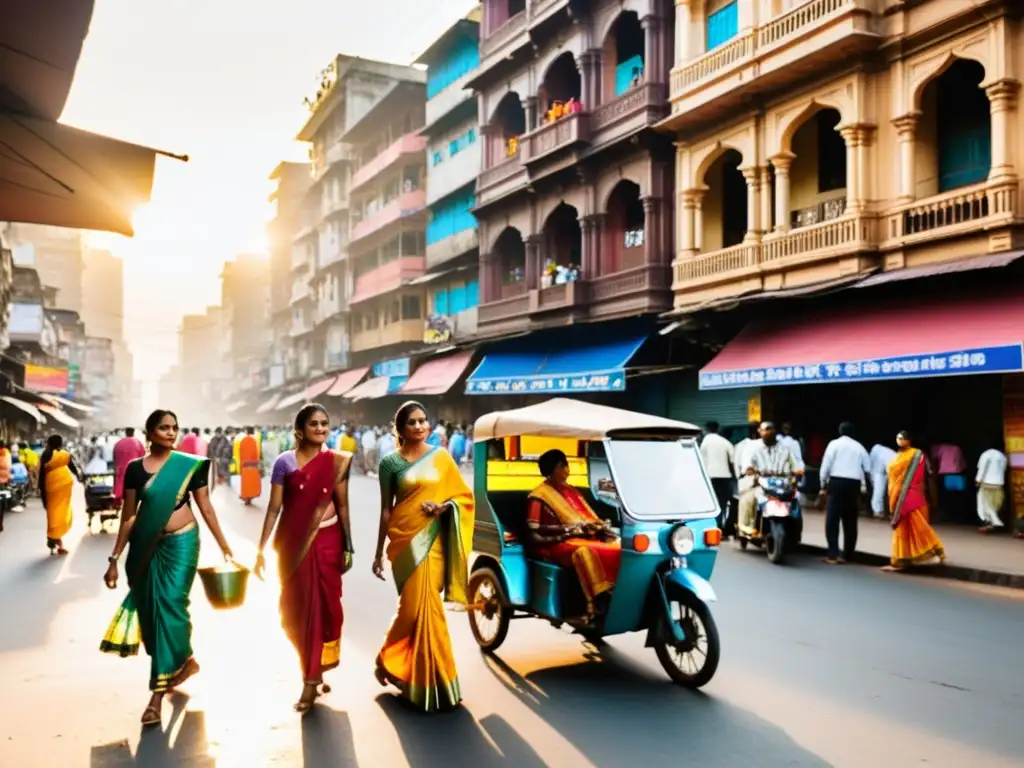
[
  {"x": 645, "y": 477},
  {"x": 99, "y": 498}
]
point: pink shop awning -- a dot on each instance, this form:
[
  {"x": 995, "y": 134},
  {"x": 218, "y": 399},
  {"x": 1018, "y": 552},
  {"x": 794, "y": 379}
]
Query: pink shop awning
[
  {"x": 435, "y": 377},
  {"x": 347, "y": 381},
  {"x": 896, "y": 338},
  {"x": 268, "y": 405},
  {"x": 313, "y": 391}
]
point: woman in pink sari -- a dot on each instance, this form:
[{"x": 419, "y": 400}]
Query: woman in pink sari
[{"x": 309, "y": 491}]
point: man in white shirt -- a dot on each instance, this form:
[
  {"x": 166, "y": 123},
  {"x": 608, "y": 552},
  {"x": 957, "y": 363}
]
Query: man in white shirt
[
  {"x": 768, "y": 458},
  {"x": 792, "y": 443},
  {"x": 881, "y": 457},
  {"x": 718, "y": 457},
  {"x": 845, "y": 468},
  {"x": 991, "y": 482}
]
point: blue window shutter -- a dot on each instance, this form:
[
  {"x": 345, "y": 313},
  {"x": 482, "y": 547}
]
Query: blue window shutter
[
  {"x": 965, "y": 156},
  {"x": 457, "y": 299},
  {"x": 441, "y": 302},
  {"x": 723, "y": 25},
  {"x": 624, "y": 73},
  {"x": 472, "y": 294}
]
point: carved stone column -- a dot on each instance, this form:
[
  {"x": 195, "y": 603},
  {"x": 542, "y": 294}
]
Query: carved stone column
[
  {"x": 782, "y": 162},
  {"x": 753, "y": 176},
  {"x": 766, "y": 199},
  {"x": 533, "y": 265},
  {"x": 906, "y": 129},
  {"x": 652, "y": 48},
  {"x": 851, "y": 136},
  {"x": 530, "y": 108},
  {"x": 652, "y": 230},
  {"x": 1002, "y": 97},
  {"x": 487, "y": 270},
  {"x": 591, "y": 258},
  {"x": 683, "y": 23}
]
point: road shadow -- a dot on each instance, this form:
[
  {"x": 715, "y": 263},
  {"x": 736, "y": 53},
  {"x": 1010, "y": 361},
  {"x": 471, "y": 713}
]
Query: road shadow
[
  {"x": 189, "y": 749},
  {"x": 327, "y": 739},
  {"x": 456, "y": 738},
  {"x": 616, "y": 712}
]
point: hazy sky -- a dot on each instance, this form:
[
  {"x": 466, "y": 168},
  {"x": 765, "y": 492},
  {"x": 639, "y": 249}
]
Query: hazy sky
[{"x": 223, "y": 82}]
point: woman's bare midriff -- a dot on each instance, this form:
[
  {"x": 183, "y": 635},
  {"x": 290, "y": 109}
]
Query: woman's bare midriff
[{"x": 180, "y": 518}]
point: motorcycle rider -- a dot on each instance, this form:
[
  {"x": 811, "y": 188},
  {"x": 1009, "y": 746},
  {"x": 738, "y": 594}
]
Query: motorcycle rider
[{"x": 768, "y": 458}]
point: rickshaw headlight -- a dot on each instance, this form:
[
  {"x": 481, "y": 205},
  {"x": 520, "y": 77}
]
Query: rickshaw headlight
[{"x": 680, "y": 540}]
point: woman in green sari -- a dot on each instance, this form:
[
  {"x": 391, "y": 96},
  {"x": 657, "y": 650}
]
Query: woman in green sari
[{"x": 162, "y": 536}]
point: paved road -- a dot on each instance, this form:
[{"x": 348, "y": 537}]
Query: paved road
[{"x": 821, "y": 666}]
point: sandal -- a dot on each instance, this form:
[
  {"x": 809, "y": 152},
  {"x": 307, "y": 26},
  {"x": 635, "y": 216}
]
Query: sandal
[
  {"x": 191, "y": 668},
  {"x": 306, "y": 700},
  {"x": 151, "y": 716}
]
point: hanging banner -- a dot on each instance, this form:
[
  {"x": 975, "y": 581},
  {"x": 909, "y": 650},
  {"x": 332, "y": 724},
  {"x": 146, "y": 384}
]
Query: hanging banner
[{"x": 51, "y": 380}]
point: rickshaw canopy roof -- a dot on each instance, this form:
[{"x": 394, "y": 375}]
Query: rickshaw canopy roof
[{"x": 564, "y": 417}]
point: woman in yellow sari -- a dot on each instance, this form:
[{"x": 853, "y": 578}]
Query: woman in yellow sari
[
  {"x": 910, "y": 488},
  {"x": 427, "y": 517},
  {"x": 56, "y": 482}
]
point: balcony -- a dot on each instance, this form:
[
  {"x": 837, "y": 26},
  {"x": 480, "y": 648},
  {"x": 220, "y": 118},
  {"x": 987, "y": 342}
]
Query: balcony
[
  {"x": 300, "y": 291},
  {"x": 452, "y": 247},
  {"x": 449, "y": 98},
  {"x": 300, "y": 327},
  {"x": 542, "y": 10},
  {"x": 644, "y": 105},
  {"x": 321, "y": 162},
  {"x": 500, "y": 179},
  {"x": 554, "y": 137},
  {"x": 642, "y": 289},
  {"x": 504, "y": 40},
  {"x": 300, "y": 260},
  {"x": 519, "y": 309},
  {"x": 329, "y": 309},
  {"x": 402, "y": 332},
  {"x": 331, "y": 205},
  {"x": 957, "y": 212},
  {"x": 772, "y": 56},
  {"x": 405, "y": 204},
  {"x": 747, "y": 266},
  {"x": 387, "y": 277},
  {"x": 409, "y": 144},
  {"x": 328, "y": 257}
]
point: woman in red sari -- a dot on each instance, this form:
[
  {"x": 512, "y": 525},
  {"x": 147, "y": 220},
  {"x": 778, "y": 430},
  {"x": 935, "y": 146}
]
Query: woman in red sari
[
  {"x": 309, "y": 490},
  {"x": 564, "y": 530}
]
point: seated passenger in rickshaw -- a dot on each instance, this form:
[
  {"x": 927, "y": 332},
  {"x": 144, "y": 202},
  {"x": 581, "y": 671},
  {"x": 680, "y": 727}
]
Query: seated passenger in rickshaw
[{"x": 565, "y": 531}]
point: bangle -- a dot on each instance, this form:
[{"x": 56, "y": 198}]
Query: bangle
[{"x": 112, "y": 559}]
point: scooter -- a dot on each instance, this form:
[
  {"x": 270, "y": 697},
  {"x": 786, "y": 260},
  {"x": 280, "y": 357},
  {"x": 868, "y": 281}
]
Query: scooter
[{"x": 778, "y": 524}]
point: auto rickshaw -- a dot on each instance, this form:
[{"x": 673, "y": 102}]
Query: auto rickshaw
[{"x": 644, "y": 476}]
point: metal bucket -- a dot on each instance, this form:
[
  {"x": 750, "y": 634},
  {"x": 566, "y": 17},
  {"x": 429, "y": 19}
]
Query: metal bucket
[{"x": 225, "y": 587}]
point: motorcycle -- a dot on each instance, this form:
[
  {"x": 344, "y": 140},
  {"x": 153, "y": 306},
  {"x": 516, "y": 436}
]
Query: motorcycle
[{"x": 778, "y": 523}]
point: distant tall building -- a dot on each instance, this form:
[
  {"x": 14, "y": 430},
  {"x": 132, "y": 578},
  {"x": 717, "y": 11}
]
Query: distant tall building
[
  {"x": 103, "y": 315},
  {"x": 203, "y": 366},
  {"x": 245, "y": 301},
  {"x": 57, "y": 254}
]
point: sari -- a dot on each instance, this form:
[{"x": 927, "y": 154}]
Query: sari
[
  {"x": 250, "y": 485},
  {"x": 596, "y": 562},
  {"x": 311, "y": 559},
  {"x": 59, "y": 485},
  {"x": 161, "y": 567},
  {"x": 913, "y": 539},
  {"x": 428, "y": 554}
]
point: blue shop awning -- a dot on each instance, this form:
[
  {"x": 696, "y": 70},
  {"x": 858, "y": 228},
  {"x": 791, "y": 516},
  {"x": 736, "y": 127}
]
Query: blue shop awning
[{"x": 589, "y": 368}]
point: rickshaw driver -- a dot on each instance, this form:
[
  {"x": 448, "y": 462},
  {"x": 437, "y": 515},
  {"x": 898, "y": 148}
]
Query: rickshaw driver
[
  {"x": 565, "y": 531},
  {"x": 768, "y": 458}
]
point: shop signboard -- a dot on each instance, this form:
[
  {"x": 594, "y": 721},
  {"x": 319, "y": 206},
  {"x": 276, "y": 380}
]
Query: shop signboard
[
  {"x": 606, "y": 381},
  {"x": 1002, "y": 359},
  {"x": 48, "y": 379},
  {"x": 393, "y": 368}
]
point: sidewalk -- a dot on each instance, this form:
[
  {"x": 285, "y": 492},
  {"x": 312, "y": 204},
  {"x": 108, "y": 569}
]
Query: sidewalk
[{"x": 970, "y": 556}]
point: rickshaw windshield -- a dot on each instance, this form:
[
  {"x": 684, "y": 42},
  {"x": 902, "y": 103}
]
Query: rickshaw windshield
[{"x": 661, "y": 479}]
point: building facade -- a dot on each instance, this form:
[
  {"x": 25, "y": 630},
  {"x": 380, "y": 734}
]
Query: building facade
[
  {"x": 103, "y": 315},
  {"x": 57, "y": 254},
  {"x": 574, "y": 196},
  {"x": 245, "y": 303},
  {"x": 387, "y": 246},
  {"x": 902, "y": 149},
  {"x": 453, "y": 162},
  {"x": 322, "y": 273},
  {"x": 291, "y": 186}
]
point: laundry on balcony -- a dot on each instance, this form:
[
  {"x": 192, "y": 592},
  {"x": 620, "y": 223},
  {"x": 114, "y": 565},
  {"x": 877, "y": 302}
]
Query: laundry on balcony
[
  {"x": 891, "y": 338},
  {"x": 523, "y": 368}
]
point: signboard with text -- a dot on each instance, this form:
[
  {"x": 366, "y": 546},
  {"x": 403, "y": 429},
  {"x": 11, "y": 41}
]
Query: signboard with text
[
  {"x": 42, "y": 378},
  {"x": 605, "y": 381},
  {"x": 1002, "y": 359},
  {"x": 399, "y": 367}
]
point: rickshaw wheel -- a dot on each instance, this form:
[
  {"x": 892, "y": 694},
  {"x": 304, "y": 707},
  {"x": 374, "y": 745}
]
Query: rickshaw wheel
[
  {"x": 488, "y": 623},
  {"x": 693, "y": 662}
]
